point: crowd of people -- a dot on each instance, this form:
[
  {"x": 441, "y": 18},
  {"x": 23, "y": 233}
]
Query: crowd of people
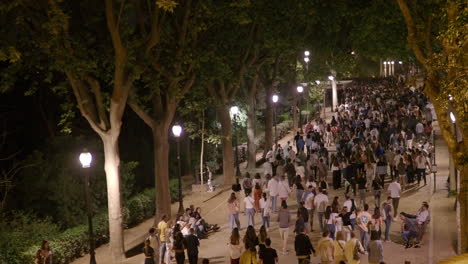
[{"x": 382, "y": 142}]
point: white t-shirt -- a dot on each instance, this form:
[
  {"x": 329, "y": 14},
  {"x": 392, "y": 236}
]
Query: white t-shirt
[
  {"x": 263, "y": 203},
  {"x": 249, "y": 202},
  {"x": 348, "y": 204},
  {"x": 300, "y": 171},
  {"x": 308, "y": 200},
  {"x": 394, "y": 188},
  {"x": 273, "y": 187}
]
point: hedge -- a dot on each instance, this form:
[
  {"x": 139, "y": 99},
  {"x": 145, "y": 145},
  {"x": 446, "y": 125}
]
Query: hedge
[{"x": 73, "y": 242}]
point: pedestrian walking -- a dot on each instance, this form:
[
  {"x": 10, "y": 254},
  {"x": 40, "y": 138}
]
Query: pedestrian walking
[
  {"x": 325, "y": 248},
  {"x": 321, "y": 202},
  {"x": 339, "y": 247},
  {"x": 353, "y": 250},
  {"x": 179, "y": 248},
  {"x": 284, "y": 221},
  {"x": 162, "y": 226},
  {"x": 233, "y": 211},
  {"x": 387, "y": 216},
  {"x": 377, "y": 186},
  {"x": 249, "y": 209},
  {"x": 395, "y": 190},
  {"x": 330, "y": 220},
  {"x": 235, "y": 249},
  {"x": 299, "y": 189},
  {"x": 192, "y": 243},
  {"x": 283, "y": 189},
  {"x": 273, "y": 188},
  {"x": 309, "y": 205},
  {"x": 303, "y": 247},
  {"x": 262, "y": 237},
  {"x": 363, "y": 220},
  {"x": 375, "y": 249},
  {"x": 257, "y": 196},
  {"x": 361, "y": 186},
  {"x": 268, "y": 255},
  {"x": 148, "y": 251},
  {"x": 265, "y": 210}
]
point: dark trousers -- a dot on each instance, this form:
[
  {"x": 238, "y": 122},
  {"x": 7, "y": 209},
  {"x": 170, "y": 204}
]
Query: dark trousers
[
  {"x": 303, "y": 261},
  {"x": 193, "y": 258},
  {"x": 180, "y": 257},
  {"x": 421, "y": 173},
  {"x": 395, "y": 202},
  {"x": 336, "y": 179}
]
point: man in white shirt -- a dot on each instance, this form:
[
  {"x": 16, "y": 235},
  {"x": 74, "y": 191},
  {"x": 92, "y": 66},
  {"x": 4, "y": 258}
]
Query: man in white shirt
[
  {"x": 267, "y": 168},
  {"x": 348, "y": 203},
  {"x": 273, "y": 188},
  {"x": 283, "y": 189},
  {"x": 309, "y": 205},
  {"x": 320, "y": 203},
  {"x": 421, "y": 162},
  {"x": 395, "y": 190}
]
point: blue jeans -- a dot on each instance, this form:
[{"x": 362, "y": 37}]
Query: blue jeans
[
  {"x": 353, "y": 223},
  {"x": 407, "y": 235},
  {"x": 299, "y": 196},
  {"x": 273, "y": 203},
  {"x": 388, "y": 222},
  {"x": 232, "y": 218},
  {"x": 163, "y": 250},
  {"x": 364, "y": 239},
  {"x": 320, "y": 220},
  {"x": 249, "y": 212},
  {"x": 331, "y": 230},
  {"x": 265, "y": 220}
]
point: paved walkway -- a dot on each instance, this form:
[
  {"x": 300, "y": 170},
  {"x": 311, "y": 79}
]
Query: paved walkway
[{"x": 439, "y": 242}]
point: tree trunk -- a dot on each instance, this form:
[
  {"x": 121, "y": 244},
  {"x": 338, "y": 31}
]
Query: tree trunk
[
  {"x": 251, "y": 149},
  {"x": 161, "y": 170},
  {"x": 268, "y": 119},
  {"x": 463, "y": 200},
  {"x": 114, "y": 204},
  {"x": 228, "y": 154}
]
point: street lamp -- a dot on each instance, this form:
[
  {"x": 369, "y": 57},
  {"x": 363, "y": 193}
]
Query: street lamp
[
  {"x": 331, "y": 78},
  {"x": 234, "y": 111},
  {"x": 275, "y": 98},
  {"x": 306, "y": 59},
  {"x": 306, "y": 53},
  {"x": 317, "y": 82},
  {"x": 452, "y": 117},
  {"x": 85, "y": 160},
  {"x": 300, "y": 90},
  {"x": 177, "y": 131}
]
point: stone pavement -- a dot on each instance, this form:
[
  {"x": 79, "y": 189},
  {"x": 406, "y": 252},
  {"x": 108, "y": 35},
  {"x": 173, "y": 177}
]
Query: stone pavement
[{"x": 439, "y": 241}]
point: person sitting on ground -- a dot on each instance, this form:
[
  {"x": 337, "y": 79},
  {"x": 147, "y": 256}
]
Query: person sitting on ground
[{"x": 409, "y": 229}]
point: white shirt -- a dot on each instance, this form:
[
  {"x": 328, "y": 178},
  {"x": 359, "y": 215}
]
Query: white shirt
[
  {"x": 267, "y": 169},
  {"x": 332, "y": 218},
  {"x": 394, "y": 188},
  {"x": 348, "y": 204},
  {"x": 319, "y": 199},
  {"x": 307, "y": 201},
  {"x": 300, "y": 171},
  {"x": 249, "y": 202},
  {"x": 419, "y": 128},
  {"x": 422, "y": 216},
  {"x": 283, "y": 189},
  {"x": 273, "y": 187},
  {"x": 421, "y": 162},
  {"x": 185, "y": 231}
]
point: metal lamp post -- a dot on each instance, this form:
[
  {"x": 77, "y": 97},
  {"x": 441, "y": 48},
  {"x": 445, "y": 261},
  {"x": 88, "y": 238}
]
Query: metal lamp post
[
  {"x": 177, "y": 131},
  {"x": 300, "y": 90},
  {"x": 234, "y": 113},
  {"x": 275, "y": 98},
  {"x": 85, "y": 160}
]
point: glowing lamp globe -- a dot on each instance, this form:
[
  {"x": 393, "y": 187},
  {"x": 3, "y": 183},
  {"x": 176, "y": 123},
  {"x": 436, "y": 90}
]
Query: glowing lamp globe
[
  {"x": 452, "y": 117},
  {"x": 306, "y": 53},
  {"x": 317, "y": 82},
  {"x": 306, "y": 59},
  {"x": 234, "y": 110},
  {"x": 274, "y": 98},
  {"x": 331, "y": 78},
  {"x": 300, "y": 89},
  {"x": 177, "y": 130},
  {"x": 85, "y": 159}
]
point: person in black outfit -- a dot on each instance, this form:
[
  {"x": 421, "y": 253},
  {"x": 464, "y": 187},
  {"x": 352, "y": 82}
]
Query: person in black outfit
[
  {"x": 149, "y": 252},
  {"x": 268, "y": 255},
  {"x": 303, "y": 247},
  {"x": 192, "y": 243}
]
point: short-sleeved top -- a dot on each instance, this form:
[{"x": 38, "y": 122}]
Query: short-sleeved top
[
  {"x": 249, "y": 202},
  {"x": 162, "y": 226},
  {"x": 268, "y": 256}
]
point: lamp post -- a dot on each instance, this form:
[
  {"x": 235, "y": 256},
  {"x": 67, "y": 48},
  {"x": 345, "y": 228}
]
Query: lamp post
[
  {"x": 177, "y": 131},
  {"x": 85, "y": 160},
  {"x": 300, "y": 90},
  {"x": 234, "y": 112},
  {"x": 275, "y": 98}
]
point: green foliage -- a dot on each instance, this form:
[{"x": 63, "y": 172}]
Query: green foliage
[
  {"x": 174, "y": 189},
  {"x": 22, "y": 233}
]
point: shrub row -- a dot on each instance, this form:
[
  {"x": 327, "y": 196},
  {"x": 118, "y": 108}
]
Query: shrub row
[{"x": 73, "y": 242}]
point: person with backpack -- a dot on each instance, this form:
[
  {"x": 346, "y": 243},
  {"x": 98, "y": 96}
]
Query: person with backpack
[
  {"x": 321, "y": 202},
  {"x": 339, "y": 247},
  {"x": 387, "y": 214},
  {"x": 353, "y": 250}
]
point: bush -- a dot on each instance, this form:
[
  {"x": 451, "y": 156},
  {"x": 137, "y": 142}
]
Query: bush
[
  {"x": 22, "y": 234},
  {"x": 174, "y": 189}
]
